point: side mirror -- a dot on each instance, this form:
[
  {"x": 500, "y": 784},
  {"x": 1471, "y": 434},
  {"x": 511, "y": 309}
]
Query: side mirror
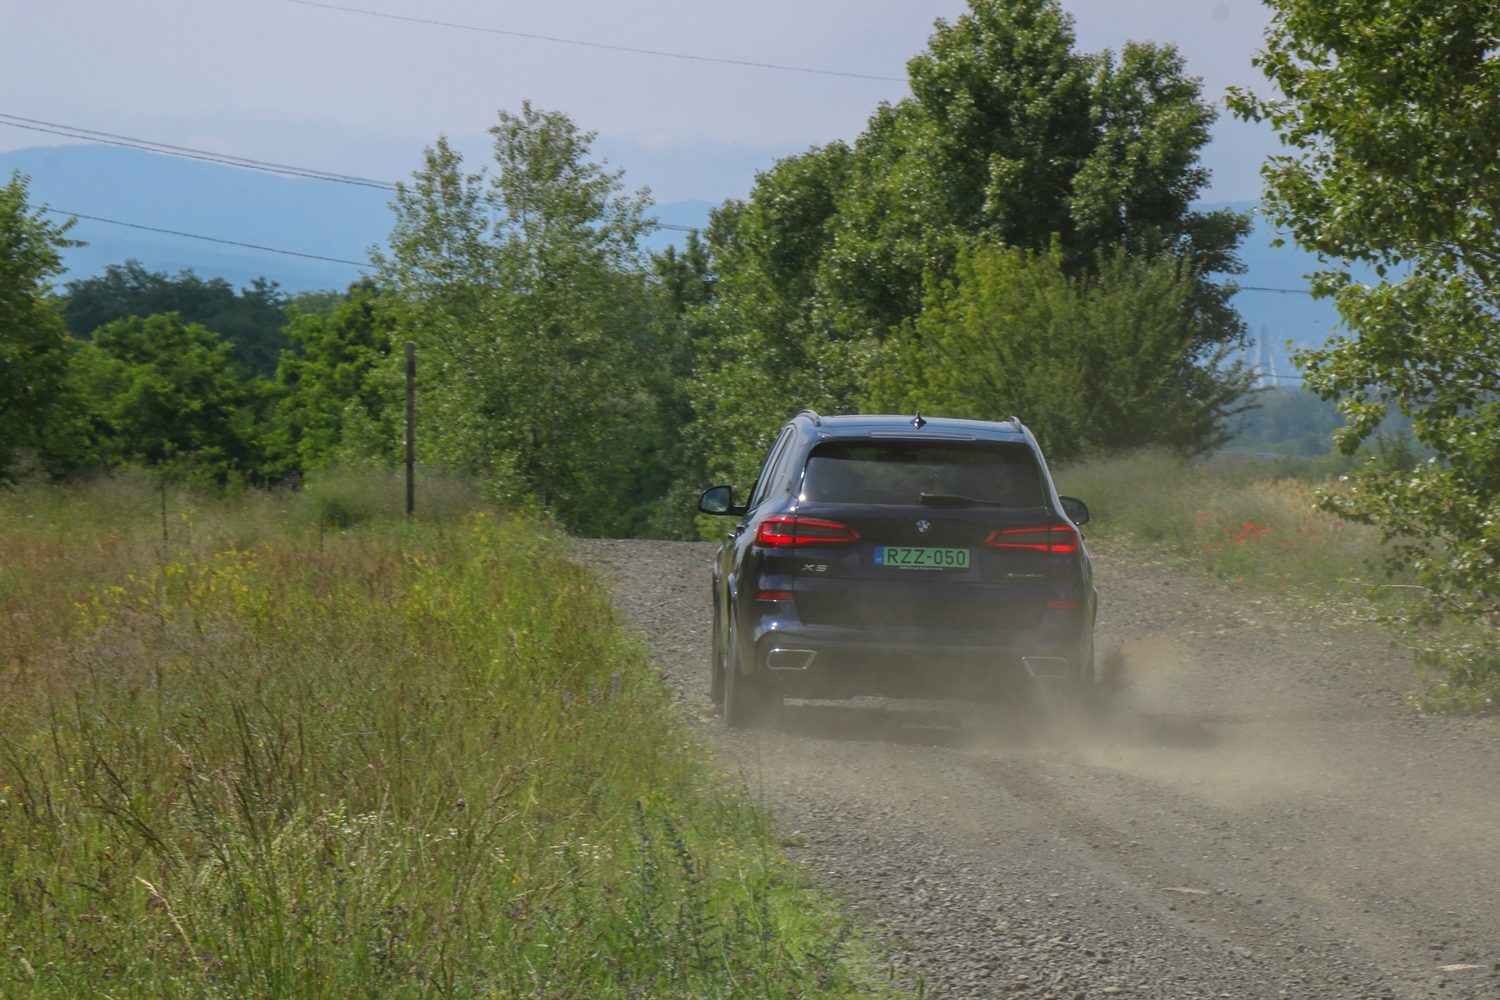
[
  {"x": 1076, "y": 509},
  {"x": 719, "y": 500}
]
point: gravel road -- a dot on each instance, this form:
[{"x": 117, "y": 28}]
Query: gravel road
[{"x": 1257, "y": 815}]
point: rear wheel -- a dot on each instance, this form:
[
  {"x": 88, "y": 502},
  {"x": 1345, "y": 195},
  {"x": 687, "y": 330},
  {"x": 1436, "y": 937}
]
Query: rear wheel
[
  {"x": 745, "y": 696},
  {"x": 717, "y": 658},
  {"x": 1084, "y": 690}
]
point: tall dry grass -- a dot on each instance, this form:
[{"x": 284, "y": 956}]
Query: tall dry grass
[
  {"x": 269, "y": 757},
  {"x": 1246, "y": 525},
  {"x": 1254, "y": 525}
]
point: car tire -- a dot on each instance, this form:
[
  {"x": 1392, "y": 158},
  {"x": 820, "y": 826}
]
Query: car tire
[
  {"x": 1084, "y": 692},
  {"x": 716, "y": 658},
  {"x": 745, "y": 695}
]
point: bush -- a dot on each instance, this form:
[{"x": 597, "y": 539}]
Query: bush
[{"x": 1092, "y": 364}]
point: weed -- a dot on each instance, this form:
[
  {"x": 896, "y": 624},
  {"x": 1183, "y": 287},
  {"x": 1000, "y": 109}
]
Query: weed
[
  {"x": 1246, "y": 525},
  {"x": 395, "y": 760},
  {"x": 1254, "y": 525}
]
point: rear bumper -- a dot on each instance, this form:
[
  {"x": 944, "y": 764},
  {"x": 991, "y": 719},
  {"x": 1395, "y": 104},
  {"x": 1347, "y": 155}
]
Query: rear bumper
[{"x": 915, "y": 662}]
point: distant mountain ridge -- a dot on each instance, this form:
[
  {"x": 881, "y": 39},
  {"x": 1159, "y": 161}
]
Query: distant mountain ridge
[
  {"x": 287, "y": 213},
  {"x": 342, "y": 221}
]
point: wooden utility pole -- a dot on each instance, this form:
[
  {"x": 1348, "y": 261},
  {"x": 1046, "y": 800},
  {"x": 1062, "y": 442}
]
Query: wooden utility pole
[{"x": 411, "y": 428}]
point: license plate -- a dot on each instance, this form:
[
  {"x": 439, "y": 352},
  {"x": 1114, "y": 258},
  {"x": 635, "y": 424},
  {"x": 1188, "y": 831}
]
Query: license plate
[{"x": 912, "y": 557}]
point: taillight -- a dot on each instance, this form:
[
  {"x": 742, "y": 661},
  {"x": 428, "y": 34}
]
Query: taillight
[
  {"x": 786, "y": 530},
  {"x": 775, "y": 595},
  {"x": 1058, "y": 539},
  {"x": 810, "y": 532},
  {"x": 777, "y": 531}
]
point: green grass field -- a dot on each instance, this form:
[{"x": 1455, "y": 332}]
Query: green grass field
[{"x": 271, "y": 757}]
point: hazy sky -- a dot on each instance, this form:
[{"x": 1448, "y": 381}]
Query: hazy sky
[{"x": 278, "y": 80}]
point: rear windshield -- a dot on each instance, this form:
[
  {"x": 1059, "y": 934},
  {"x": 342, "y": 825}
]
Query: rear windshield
[{"x": 899, "y": 472}]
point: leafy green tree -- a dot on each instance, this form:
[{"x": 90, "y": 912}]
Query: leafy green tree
[
  {"x": 1390, "y": 113},
  {"x": 1097, "y": 362},
  {"x": 166, "y": 394},
  {"x": 251, "y": 320},
  {"x": 34, "y": 346},
  {"x": 766, "y": 350},
  {"x": 339, "y": 394},
  {"x": 527, "y": 296},
  {"x": 659, "y": 499},
  {"x": 1010, "y": 136}
]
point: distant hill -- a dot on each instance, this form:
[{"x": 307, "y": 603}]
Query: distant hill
[
  {"x": 314, "y": 217},
  {"x": 334, "y": 220},
  {"x": 308, "y": 216}
]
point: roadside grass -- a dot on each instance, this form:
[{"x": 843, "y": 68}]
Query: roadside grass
[
  {"x": 1245, "y": 525},
  {"x": 1253, "y": 525},
  {"x": 270, "y": 757}
]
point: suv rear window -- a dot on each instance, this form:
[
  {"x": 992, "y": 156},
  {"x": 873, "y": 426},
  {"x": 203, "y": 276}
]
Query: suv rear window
[{"x": 899, "y": 472}]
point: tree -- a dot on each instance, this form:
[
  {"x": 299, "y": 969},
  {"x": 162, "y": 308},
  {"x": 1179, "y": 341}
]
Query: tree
[
  {"x": 765, "y": 350},
  {"x": 34, "y": 346},
  {"x": 251, "y": 320},
  {"x": 339, "y": 393},
  {"x": 1098, "y": 362},
  {"x": 659, "y": 499},
  {"x": 166, "y": 394},
  {"x": 527, "y": 296},
  {"x": 1390, "y": 112},
  {"x": 1010, "y": 136}
]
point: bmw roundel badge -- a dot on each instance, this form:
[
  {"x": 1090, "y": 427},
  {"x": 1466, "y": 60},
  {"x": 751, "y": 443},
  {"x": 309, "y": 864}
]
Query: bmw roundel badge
[{"x": 923, "y": 527}]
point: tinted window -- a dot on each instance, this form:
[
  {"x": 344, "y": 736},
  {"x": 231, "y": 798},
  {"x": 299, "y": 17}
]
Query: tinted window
[
  {"x": 786, "y": 472},
  {"x": 763, "y": 482},
  {"x": 899, "y": 472}
]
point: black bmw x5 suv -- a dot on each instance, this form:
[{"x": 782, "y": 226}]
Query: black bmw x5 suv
[{"x": 897, "y": 556}]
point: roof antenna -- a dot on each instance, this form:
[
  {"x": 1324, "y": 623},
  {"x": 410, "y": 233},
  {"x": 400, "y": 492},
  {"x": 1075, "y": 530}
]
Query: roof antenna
[{"x": 917, "y": 421}]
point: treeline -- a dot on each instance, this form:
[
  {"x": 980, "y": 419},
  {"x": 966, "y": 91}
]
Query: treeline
[{"x": 1015, "y": 237}]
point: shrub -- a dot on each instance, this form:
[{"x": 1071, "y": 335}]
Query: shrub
[{"x": 1092, "y": 364}]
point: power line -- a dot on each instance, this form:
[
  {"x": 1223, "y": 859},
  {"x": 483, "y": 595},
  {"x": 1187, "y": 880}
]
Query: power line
[
  {"x": 210, "y": 239},
  {"x": 257, "y": 246},
  {"x": 594, "y": 45},
  {"x": 227, "y": 159},
  {"x": 186, "y": 152},
  {"x": 1283, "y": 291}
]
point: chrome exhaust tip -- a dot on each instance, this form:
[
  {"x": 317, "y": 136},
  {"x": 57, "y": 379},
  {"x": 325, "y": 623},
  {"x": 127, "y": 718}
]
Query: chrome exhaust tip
[
  {"x": 1045, "y": 666},
  {"x": 790, "y": 659}
]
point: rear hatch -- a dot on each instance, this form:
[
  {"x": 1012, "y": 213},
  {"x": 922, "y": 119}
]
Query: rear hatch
[{"x": 921, "y": 534}]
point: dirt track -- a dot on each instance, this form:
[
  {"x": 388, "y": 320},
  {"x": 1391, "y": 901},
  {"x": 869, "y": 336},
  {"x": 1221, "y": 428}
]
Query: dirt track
[{"x": 1258, "y": 815}]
